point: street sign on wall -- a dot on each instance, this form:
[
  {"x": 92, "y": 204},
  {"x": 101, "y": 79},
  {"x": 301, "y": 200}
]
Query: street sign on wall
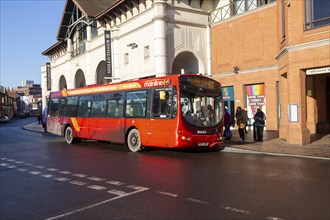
[
  {"x": 49, "y": 78},
  {"x": 107, "y": 44}
]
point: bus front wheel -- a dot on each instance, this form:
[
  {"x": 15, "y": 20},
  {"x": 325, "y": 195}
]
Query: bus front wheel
[
  {"x": 69, "y": 135},
  {"x": 133, "y": 140}
]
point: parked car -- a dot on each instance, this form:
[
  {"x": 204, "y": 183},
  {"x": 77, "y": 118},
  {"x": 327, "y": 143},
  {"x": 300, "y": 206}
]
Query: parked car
[{"x": 4, "y": 119}]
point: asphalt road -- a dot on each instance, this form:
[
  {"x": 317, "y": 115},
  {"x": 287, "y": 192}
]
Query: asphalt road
[{"x": 42, "y": 177}]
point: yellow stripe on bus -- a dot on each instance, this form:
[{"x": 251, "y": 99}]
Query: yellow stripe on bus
[
  {"x": 105, "y": 88},
  {"x": 75, "y": 124},
  {"x": 64, "y": 93}
]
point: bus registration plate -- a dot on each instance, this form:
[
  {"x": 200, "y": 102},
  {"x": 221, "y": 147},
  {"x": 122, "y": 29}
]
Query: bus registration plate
[{"x": 203, "y": 144}]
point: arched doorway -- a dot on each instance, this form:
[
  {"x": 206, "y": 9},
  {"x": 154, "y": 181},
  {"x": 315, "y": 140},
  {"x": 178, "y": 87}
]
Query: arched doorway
[
  {"x": 185, "y": 62},
  {"x": 80, "y": 79},
  {"x": 101, "y": 73},
  {"x": 62, "y": 83}
]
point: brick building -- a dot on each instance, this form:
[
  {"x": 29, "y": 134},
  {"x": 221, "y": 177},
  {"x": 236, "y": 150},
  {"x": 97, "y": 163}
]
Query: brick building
[
  {"x": 29, "y": 98},
  {"x": 276, "y": 56},
  {"x": 7, "y": 102}
]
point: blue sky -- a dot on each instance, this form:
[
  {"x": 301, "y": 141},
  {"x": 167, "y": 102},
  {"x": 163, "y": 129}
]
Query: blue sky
[{"x": 28, "y": 27}]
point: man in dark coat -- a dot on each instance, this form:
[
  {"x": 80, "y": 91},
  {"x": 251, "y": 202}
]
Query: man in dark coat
[{"x": 259, "y": 123}]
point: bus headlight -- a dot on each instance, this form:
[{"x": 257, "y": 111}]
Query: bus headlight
[{"x": 184, "y": 138}]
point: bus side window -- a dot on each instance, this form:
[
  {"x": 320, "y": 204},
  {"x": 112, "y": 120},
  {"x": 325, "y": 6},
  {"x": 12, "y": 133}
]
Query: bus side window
[
  {"x": 155, "y": 104},
  {"x": 165, "y": 103},
  {"x": 174, "y": 103},
  {"x": 63, "y": 110},
  {"x": 69, "y": 106},
  {"x": 72, "y": 103},
  {"x": 136, "y": 104},
  {"x": 115, "y": 106},
  {"x": 84, "y": 108},
  {"x": 98, "y": 108},
  {"x": 54, "y": 106},
  {"x": 161, "y": 102}
]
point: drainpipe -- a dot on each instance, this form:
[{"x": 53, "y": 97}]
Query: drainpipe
[{"x": 208, "y": 51}]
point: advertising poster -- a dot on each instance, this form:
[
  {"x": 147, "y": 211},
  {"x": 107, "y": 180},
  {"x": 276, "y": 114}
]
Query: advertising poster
[{"x": 255, "y": 98}]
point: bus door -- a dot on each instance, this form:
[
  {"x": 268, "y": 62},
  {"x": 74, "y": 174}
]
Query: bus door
[
  {"x": 114, "y": 121},
  {"x": 53, "y": 119},
  {"x": 84, "y": 117},
  {"x": 161, "y": 126}
]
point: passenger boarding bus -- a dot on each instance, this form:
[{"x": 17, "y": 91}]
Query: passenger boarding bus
[{"x": 175, "y": 111}]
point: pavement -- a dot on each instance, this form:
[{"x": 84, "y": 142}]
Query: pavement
[{"x": 272, "y": 144}]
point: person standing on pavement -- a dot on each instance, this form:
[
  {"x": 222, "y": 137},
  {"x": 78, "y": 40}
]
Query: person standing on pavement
[
  {"x": 259, "y": 123},
  {"x": 44, "y": 118},
  {"x": 227, "y": 123},
  {"x": 39, "y": 118},
  {"x": 247, "y": 120},
  {"x": 241, "y": 118}
]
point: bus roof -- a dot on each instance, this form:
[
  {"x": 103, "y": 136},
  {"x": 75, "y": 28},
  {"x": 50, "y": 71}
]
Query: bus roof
[{"x": 120, "y": 86}]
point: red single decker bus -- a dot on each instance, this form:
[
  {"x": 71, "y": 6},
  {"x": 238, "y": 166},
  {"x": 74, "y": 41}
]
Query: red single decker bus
[{"x": 175, "y": 111}]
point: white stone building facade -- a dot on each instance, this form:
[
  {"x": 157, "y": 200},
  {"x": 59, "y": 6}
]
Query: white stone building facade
[{"x": 149, "y": 38}]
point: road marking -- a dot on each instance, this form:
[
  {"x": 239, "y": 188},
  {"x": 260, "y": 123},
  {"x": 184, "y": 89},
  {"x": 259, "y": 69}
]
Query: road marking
[
  {"x": 52, "y": 169},
  {"x": 79, "y": 183},
  {"x": 198, "y": 201},
  {"x": 95, "y": 178},
  {"x": 35, "y": 172},
  {"x": 65, "y": 172},
  {"x": 274, "y": 218},
  {"x": 79, "y": 175},
  {"x": 96, "y": 187},
  {"x": 47, "y": 175},
  {"x": 136, "y": 187},
  {"x": 236, "y": 210},
  {"x": 28, "y": 164},
  {"x": 240, "y": 150},
  {"x": 117, "y": 192},
  {"x": 62, "y": 179},
  {"x": 22, "y": 169},
  {"x": 167, "y": 194},
  {"x": 116, "y": 183},
  {"x": 96, "y": 204}
]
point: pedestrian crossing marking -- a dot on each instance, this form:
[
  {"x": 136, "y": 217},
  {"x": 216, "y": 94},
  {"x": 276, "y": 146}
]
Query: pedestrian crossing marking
[
  {"x": 117, "y": 192},
  {"x": 96, "y": 187},
  {"x": 116, "y": 183}
]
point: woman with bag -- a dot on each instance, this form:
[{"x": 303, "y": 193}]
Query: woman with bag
[{"x": 241, "y": 118}]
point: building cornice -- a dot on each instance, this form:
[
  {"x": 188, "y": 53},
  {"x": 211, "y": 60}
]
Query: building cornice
[
  {"x": 246, "y": 71},
  {"x": 309, "y": 45}
]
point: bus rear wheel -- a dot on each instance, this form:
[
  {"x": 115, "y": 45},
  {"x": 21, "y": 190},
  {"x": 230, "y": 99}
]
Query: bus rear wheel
[
  {"x": 133, "y": 140},
  {"x": 69, "y": 136}
]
